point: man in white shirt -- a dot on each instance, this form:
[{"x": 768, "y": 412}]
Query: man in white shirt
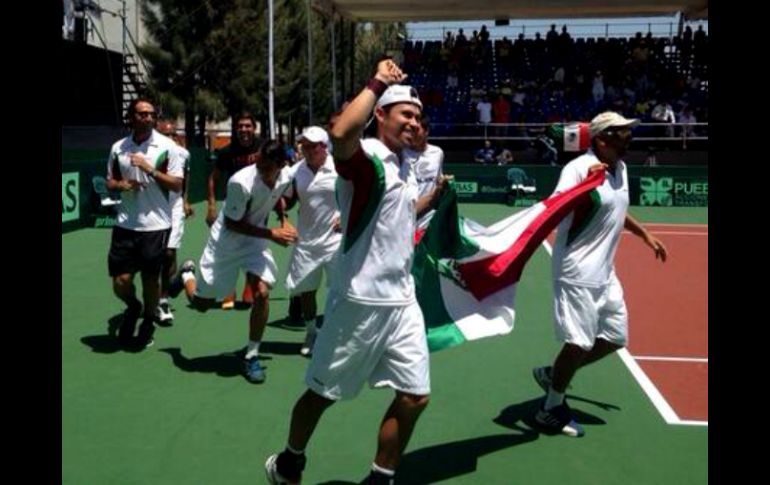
[
  {"x": 373, "y": 329},
  {"x": 484, "y": 108},
  {"x": 180, "y": 210},
  {"x": 590, "y": 314},
  {"x": 239, "y": 241},
  {"x": 315, "y": 180},
  {"x": 146, "y": 167}
]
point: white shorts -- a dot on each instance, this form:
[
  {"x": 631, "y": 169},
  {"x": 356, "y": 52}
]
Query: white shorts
[
  {"x": 385, "y": 345},
  {"x": 177, "y": 230},
  {"x": 219, "y": 268},
  {"x": 583, "y": 314},
  {"x": 305, "y": 270}
]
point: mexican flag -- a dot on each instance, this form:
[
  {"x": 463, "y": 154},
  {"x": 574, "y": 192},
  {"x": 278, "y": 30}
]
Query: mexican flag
[
  {"x": 466, "y": 274},
  {"x": 572, "y": 137}
]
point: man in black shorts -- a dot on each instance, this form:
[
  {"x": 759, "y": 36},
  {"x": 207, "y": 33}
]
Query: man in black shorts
[{"x": 145, "y": 167}]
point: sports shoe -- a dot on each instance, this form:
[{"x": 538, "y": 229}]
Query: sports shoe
[
  {"x": 275, "y": 478},
  {"x": 253, "y": 371},
  {"x": 130, "y": 317},
  {"x": 163, "y": 314},
  {"x": 377, "y": 478},
  {"x": 144, "y": 337},
  {"x": 176, "y": 285},
  {"x": 310, "y": 336},
  {"x": 558, "y": 419}
]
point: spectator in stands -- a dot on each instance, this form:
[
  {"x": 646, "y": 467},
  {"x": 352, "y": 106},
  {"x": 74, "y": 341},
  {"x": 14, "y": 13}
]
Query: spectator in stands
[
  {"x": 449, "y": 41},
  {"x": 477, "y": 93},
  {"x": 501, "y": 114},
  {"x": 642, "y": 108},
  {"x": 507, "y": 88},
  {"x": 552, "y": 36},
  {"x": 597, "y": 89},
  {"x": 484, "y": 110},
  {"x": 687, "y": 116},
  {"x": 486, "y": 154},
  {"x": 461, "y": 40},
  {"x": 451, "y": 80},
  {"x": 558, "y": 76},
  {"x": 664, "y": 113},
  {"x": 700, "y": 35},
  {"x": 519, "y": 95},
  {"x": 484, "y": 34},
  {"x": 505, "y": 157}
]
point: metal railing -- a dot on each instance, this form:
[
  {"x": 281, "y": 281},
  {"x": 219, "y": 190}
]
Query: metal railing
[{"x": 675, "y": 132}]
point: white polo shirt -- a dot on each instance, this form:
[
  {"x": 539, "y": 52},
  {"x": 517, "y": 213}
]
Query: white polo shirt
[
  {"x": 377, "y": 195},
  {"x": 147, "y": 208},
  {"x": 318, "y": 206},
  {"x": 177, "y": 198},
  {"x": 588, "y": 237},
  {"x": 249, "y": 197},
  {"x": 428, "y": 166}
]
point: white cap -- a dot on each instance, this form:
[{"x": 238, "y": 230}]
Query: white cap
[
  {"x": 315, "y": 134},
  {"x": 609, "y": 119},
  {"x": 399, "y": 93}
]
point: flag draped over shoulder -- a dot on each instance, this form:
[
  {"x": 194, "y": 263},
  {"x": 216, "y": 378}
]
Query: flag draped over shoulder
[{"x": 466, "y": 274}]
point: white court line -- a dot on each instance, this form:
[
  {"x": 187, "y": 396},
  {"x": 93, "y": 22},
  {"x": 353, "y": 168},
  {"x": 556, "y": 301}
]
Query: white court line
[
  {"x": 672, "y": 359},
  {"x": 660, "y": 403},
  {"x": 649, "y": 388},
  {"x": 664, "y": 224},
  {"x": 673, "y": 233}
]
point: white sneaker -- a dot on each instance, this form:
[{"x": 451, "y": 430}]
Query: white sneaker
[
  {"x": 163, "y": 313},
  {"x": 310, "y": 336}
]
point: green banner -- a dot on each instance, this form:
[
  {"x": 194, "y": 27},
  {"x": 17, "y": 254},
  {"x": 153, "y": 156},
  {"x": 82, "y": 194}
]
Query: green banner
[
  {"x": 70, "y": 196},
  {"x": 673, "y": 191}
]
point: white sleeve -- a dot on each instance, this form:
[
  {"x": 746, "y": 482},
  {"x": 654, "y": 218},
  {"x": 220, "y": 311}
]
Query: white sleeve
[
  {"x": 571, "y": 175},
  {"x": 176, "y": 162},
  {"x": 440, "y": 171},
  {"x": 111, "y": 161},
  {"x": 236, "y": 201}
]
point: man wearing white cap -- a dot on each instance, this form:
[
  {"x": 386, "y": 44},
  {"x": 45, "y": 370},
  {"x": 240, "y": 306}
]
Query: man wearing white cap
[
  {"x": 590, "y": 314},
  {"x": 373, "y": 328},
  {"x": 315, "y": 180}
]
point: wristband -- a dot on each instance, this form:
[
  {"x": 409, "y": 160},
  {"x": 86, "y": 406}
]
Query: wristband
[{"x": 378, "y": 87}]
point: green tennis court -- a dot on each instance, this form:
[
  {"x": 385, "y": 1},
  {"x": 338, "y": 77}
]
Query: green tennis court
[{"x": 180, "y": 412}]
